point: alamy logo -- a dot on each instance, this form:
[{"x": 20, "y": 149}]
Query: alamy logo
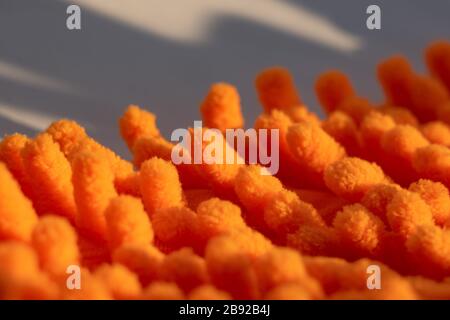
[
  {"x": 238, "y": 146},
  {"x": 73, "y": 21},
  {"x": 73, "y": 281},
  {"x": 374, "y": 278},
  {"x": 373, "y": 22}
]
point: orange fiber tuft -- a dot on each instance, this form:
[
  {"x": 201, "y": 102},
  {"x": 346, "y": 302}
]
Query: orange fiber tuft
[
  {"x": 371, "y": 130},
  {"x": 398, "y": 146},
  {"x": 17, "y": 260},
  {"x": 231, "y": 269},
  {"x": 377, "y": 198},
  {"x": 218, "y": 217},
  {"x": 68, "y": 134},
  {"x": 160, "y": 290},
  {"x": 11, "y": 154},
  {"x": 286, "y": 212},
  {"x": 146, "y": 148},
  {"x": 288, "y": 291},
  {"x": 395, "y": 75},
  {"x": 283, "y": 266},
  {"x": 313, "y": 240},
  {"x": 343, "y": 129},
  {"x": 402, "y": 141},
  {"x": 430, "y": 289},
  {"x": 175, "y": 227},
  {"x": 314, "y": 148},
  {"x": 17, "y": 216},
  {"x": 143, "y": 260},
  {"x": 276, "y": 89},
  {"x": 436, "y": 195},
  {"x": 208, "y": 292},
  {"x": 52, "y": 177},
  {"x": 301, "y": 113},
  {"x": 93, "y": 183},
  {"x": 437, "y": 132},
  {"x": 184, "y": 268},
  {"x": 400, "y": 115},
  {"x": 433, "y": 162},
  {"x": 406, "y": 212},
  {"x": 136, "y": 123},
  {"x": 359, "y": 231},
  {"x": 127, "y": 222},
  {"x": 355, "y": 107},
  {"x": 20, "y": 277},
  {"x": 332, "y": 88},
  {"x": 326, "y": 203},
  {"x": 437, "y": 57},
  {"x": 120, "y": 281},
  {"x": 94, "y": 252},
  {"x": 350, "y": 178},
  {"x": 120, "y": 168},
  {"x": 428, "y": 95},
  {"x": 55, "y": 242},
  {"x": 221, "y": 108},
  {"x": 160, "y": 185},
  {"x": 430, "y": 251},
  {"x": 278, "y": 120},
  {"x": 215, "y": 167},
  {"x": 255, "y": 190}
]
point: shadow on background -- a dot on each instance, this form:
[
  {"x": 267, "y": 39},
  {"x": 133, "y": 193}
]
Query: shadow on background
[{"x": 109, "y": 65}]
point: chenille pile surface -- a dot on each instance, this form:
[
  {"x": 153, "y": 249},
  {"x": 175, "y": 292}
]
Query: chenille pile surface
[{"x": 367, "y": 185}]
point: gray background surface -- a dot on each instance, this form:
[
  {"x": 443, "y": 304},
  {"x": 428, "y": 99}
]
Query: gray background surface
[{"x": 90, "y": 75}]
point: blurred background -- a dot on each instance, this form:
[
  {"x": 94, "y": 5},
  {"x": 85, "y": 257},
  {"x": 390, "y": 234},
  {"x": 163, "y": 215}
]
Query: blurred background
[{"x": 164, "y": 54}]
